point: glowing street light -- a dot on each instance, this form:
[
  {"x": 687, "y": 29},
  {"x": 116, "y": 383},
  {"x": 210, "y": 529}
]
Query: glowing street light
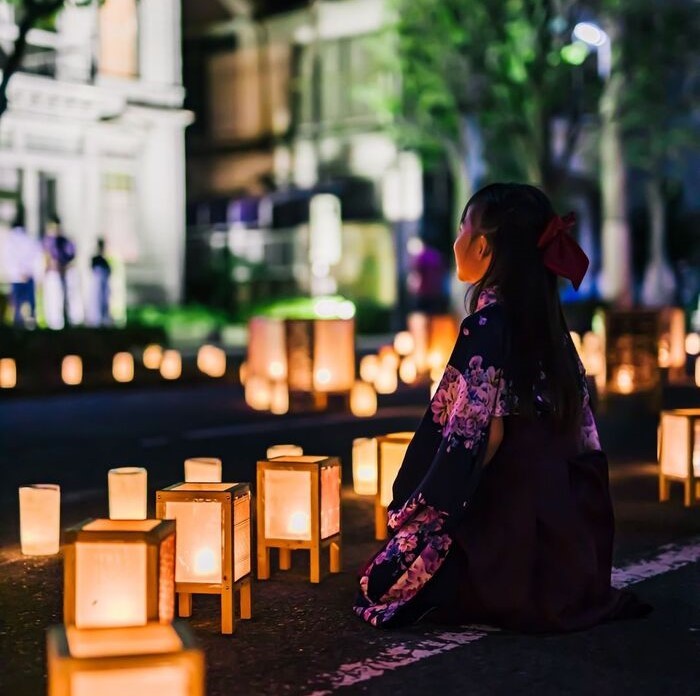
[{"x": 596, "y": 37}]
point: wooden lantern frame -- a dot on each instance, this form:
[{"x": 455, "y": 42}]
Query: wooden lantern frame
[
  {"x": 160, "y": 552},
  {"x": 380, "y": 511},
  {"x": 691, "y": 483},
  {"x": 226, "y": 494},
  {"x": 315, "y": 544},
  {"x": 63, "y": 665}
]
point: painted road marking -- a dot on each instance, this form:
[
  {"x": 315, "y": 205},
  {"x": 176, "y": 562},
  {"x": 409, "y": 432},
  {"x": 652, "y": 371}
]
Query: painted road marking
[{"x": 668, "y": 558}]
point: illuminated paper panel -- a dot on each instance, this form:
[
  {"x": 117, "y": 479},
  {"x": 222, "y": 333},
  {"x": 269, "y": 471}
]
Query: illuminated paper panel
[
  {"x": 334, "y": 355},
  {"x": 330, "y": 501},
  {"x": 241, "y": 537},
  {"x": 364, "y": 465},
  {"x": 675, "y": 443},
  {"x": 287, "y": 504},
  {"x": 392, "y": 455}
]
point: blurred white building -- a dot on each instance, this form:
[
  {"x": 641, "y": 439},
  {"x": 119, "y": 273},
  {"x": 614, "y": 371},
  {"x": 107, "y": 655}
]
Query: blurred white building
[{"x": 95, "y": 134}]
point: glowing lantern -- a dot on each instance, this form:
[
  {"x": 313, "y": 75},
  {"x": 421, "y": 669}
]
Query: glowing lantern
[
  {"x": 8, "y": 373},
  {"x": 298, "y": 506},
  {"x": 364, "y": 465},
  {"x": 672, "y": 337},
  {"x": 692, "y": 344},
  {"x": 203, "y": 470},
  {"x": 39, "y": 519},
  {"x": 434, "y": 337},
  {"x": 391, "y": 450},
  {"x": 363, "y": 400},
  {"x": 160, "y": 658},
  {"x": 127, "y": 493},
  {"x": 243, "y": 373},
  {"x": 334, "y": 355},
  {"x": 213, "y": 544},
  {"x": 284, "y": 451},
  {"x": 72, "y": 370},
  {"x": 387, "y": 381},
  {"x": 152, "y": 356},
  {"x": 266, "y": 348},
  {"x": 624, "y": 379},
  {"x": 369, "y": 368},
  {"x": 258, "y": 393},
  {"x": 408, "y": 370},
  {"x": 404, "y": 343},
  {"x": 119, "y": 573},
  {"x": 171, "y": 365},
  {"x": 123, "y": 367},
  {"x": 279, "y": 398},
  {"x": 211, "y": 361},
  {"x": 679, "y": 452}
]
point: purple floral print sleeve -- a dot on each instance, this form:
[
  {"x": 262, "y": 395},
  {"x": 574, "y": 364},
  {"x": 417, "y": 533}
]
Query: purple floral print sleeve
[{"x": 440, "y": 471}]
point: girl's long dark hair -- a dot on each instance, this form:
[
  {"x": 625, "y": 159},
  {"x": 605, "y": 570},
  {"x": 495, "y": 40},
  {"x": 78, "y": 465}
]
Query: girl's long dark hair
[{"x": 512, "y": 217}]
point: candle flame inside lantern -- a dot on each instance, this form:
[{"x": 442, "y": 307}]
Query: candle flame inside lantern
[
  {"x": 625, "y": 379},
  {"x": 204, "y": 562},
  {"x": 276, "y": 369},
  {"x": 323, "y": 376},
  {"x": 299, "y": 523}
]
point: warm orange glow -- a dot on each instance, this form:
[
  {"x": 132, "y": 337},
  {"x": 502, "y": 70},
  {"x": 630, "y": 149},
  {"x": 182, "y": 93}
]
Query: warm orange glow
[
  {"x": 203, "y": 470},
  {"x": 241, "y": 537},
  {"x": 404, "y": 343},
  {"x": 287, "y": 504},
  {"x": 408, "y": 370},
  {"x": 392, "y": 452},
  {"x": 675, "y": 454},
  {"x": 576, "y": 340},
  {"x": 8, "y": 373},
  {"x": 127, "y": 493},
  {"x": 334, "y": 354},
  {"x": 152, "y": 357},
  {"x": 267, "y": 357},
  {"x": 364, "y": 465},
  {"x": 171, "y": 365},
  {"x": 243, "y": 372},
  {"x": 330, "y": 501},
  {"x": 211, "y": 361},
  {"x": 284, "y": 451},
  {"x": 692, "y": 344},
  {"x": 39, "y": 519},
  {"x": 72, "y": 370},
  {"x": 363, "y": 400},
  {"x": 434, "y": 337},
  {"x": 279, "y": 398},
  {"x": 387, "y": 381},
  {"x": 369, "y": 368},
  {"x": 388, "y": 358},
  {"x": 624, "y": 379},
  {"x": 434, "y": 387},
  {"x": 125, "y": 640},
  {"x": 123, "y": 367},
  {"x": 258, "y": 393},
  {"x": 592, "y": 354}
]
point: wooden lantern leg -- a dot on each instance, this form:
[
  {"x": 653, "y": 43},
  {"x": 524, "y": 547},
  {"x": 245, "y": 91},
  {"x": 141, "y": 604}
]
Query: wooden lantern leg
[
  {"x": 379, "y": 523},
  {"x": 315, "y": 575},
  {"x": 184, "y": 604},
  {"x": 689, "y": 496},
  {"x": 664, "y": 488},
  {"x": 335, "y": 554},
  {"x": 227, "y": 609},
  {"x": 263, "y": 562},
  {"x": 246, "y": 600},
  {"x": 285, "y": 559}
]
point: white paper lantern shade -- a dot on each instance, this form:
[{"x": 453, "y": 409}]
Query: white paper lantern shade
[
  {"x": 284, "y": 450},
  {"x": 203, "y": 470},
  {"x": 127, "y": 493},
  {"x": 39, "y": 519},
  {"x": 363, "y": 400},
  {"x": 364, "y": 465},
  {"x": 679, "y": 453}
]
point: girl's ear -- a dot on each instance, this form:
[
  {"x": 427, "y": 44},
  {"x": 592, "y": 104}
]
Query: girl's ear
[{"x": 484, "y": 248}]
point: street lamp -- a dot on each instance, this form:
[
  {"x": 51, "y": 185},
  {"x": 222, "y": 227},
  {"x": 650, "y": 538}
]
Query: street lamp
[{"x": 595, "y": 37}]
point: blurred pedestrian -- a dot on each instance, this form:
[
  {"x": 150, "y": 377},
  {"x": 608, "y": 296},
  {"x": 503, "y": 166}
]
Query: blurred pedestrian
[
  {"x": 100, "y": 292},
  {"x": 60, "y": 253},
  {"x": 22, "y": 266}
]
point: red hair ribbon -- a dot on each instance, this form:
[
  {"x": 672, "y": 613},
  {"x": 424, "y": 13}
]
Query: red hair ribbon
[{"x": 560, "y": 251}]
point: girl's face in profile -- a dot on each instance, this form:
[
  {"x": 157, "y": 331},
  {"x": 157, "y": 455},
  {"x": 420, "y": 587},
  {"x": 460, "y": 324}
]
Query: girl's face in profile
[{"x": 472, "y": 251}]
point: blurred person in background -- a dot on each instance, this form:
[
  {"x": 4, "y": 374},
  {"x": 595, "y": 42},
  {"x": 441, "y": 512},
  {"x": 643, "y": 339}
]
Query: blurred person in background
[
  {"x": 98, "y": 313},
  {"x": 60, "y": 253},
  {"x": 22, "y": 262}
]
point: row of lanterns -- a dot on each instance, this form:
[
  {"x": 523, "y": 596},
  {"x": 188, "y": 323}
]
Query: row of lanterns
[{"x": 211, "y": 361}]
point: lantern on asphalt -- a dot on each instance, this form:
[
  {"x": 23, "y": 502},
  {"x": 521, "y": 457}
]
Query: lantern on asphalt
[
  {"x": 364, "y": 465},
  {"x": 8, "y": 373},
  {"x": 171, "y": 365},
  {"x": 119, "y": 573},
  {"x": 363, "y": 400},
  {"x": 679, "y": 452},
  {"x": 213, "y": 544},
  {"x": 391, "y": 450},
  {"x": 127, "y": 493},
  {"x": 152, "y": 356},
  {"x": 298, "y": 507},
  {"x": 123, "y": 367},
  {"x": 39, "y": 519},
  {"x": 72, "y": 370},
  {"x": 211, "y": 361}
]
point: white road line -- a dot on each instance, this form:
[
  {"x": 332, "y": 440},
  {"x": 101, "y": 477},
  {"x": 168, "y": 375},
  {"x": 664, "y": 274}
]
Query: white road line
[{"x": 667, "y": 558}]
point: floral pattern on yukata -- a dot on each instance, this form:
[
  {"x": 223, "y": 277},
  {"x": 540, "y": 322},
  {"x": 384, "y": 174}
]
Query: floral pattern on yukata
[{"x": 465, "y": 402}]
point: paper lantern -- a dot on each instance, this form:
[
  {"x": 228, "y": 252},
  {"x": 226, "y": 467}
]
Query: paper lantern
[
  {"x": 692, "y": 344},
  {"x": 298, "y": 507},
  {"x": 434, "y": 337},
  {"x": 624, "y": 379},
  {"x": 279, "y": 398},
  {"x": 203, "y": 470},
  {"x": 363, "y": 400},
  {"x": 72, "y": 370},
  {"x": 171, "y": 365},
  {"x": 387, "y": 381},
  {"x": 404, "y": 343},
  {"x": 151, "y": 659},
  {"x": 284, "y": 451},
  {"x": 123, "y": 367},
  {"x": 119, "y": 573},
  {"x": 258, "y": 393},
  {"x": 243, "y": 372},
  {"x": 8, "y": 373},
  {"x": 213, "y": 544},
  {"x": 364, "y": 465},
  {"x": 127, "y": 493},
  {"x": 334, "y": 355},
  {"x": 267, "y": 356},
  {"x": 391, "y": 450},
  {"x": 679, "y": 452},
  {"x": 672, "y": 337},
  {"x": 152, "y": 356},
  {"x": 39, "y": 519},
  {"x": 408, "y": 370},
  {"x": 369, "y": 368},
  {"x": 211, "y": 361}
]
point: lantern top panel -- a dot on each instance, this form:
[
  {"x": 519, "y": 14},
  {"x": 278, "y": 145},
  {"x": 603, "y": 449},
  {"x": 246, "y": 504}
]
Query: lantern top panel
[
  {"x": 204, "y": 460},
  {"x": 402, "y": 437},
  {"x": 684, "y": 412},
  {"x": 200, "y": 490},
  {"x": 148, "y": 531},
  {"x": 151, "y": 639},
  {"x": 303, "y": 462}
]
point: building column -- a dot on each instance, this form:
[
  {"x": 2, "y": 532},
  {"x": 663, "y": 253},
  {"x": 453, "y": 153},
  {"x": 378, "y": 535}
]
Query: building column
[{"x": 160, "y": 58}]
